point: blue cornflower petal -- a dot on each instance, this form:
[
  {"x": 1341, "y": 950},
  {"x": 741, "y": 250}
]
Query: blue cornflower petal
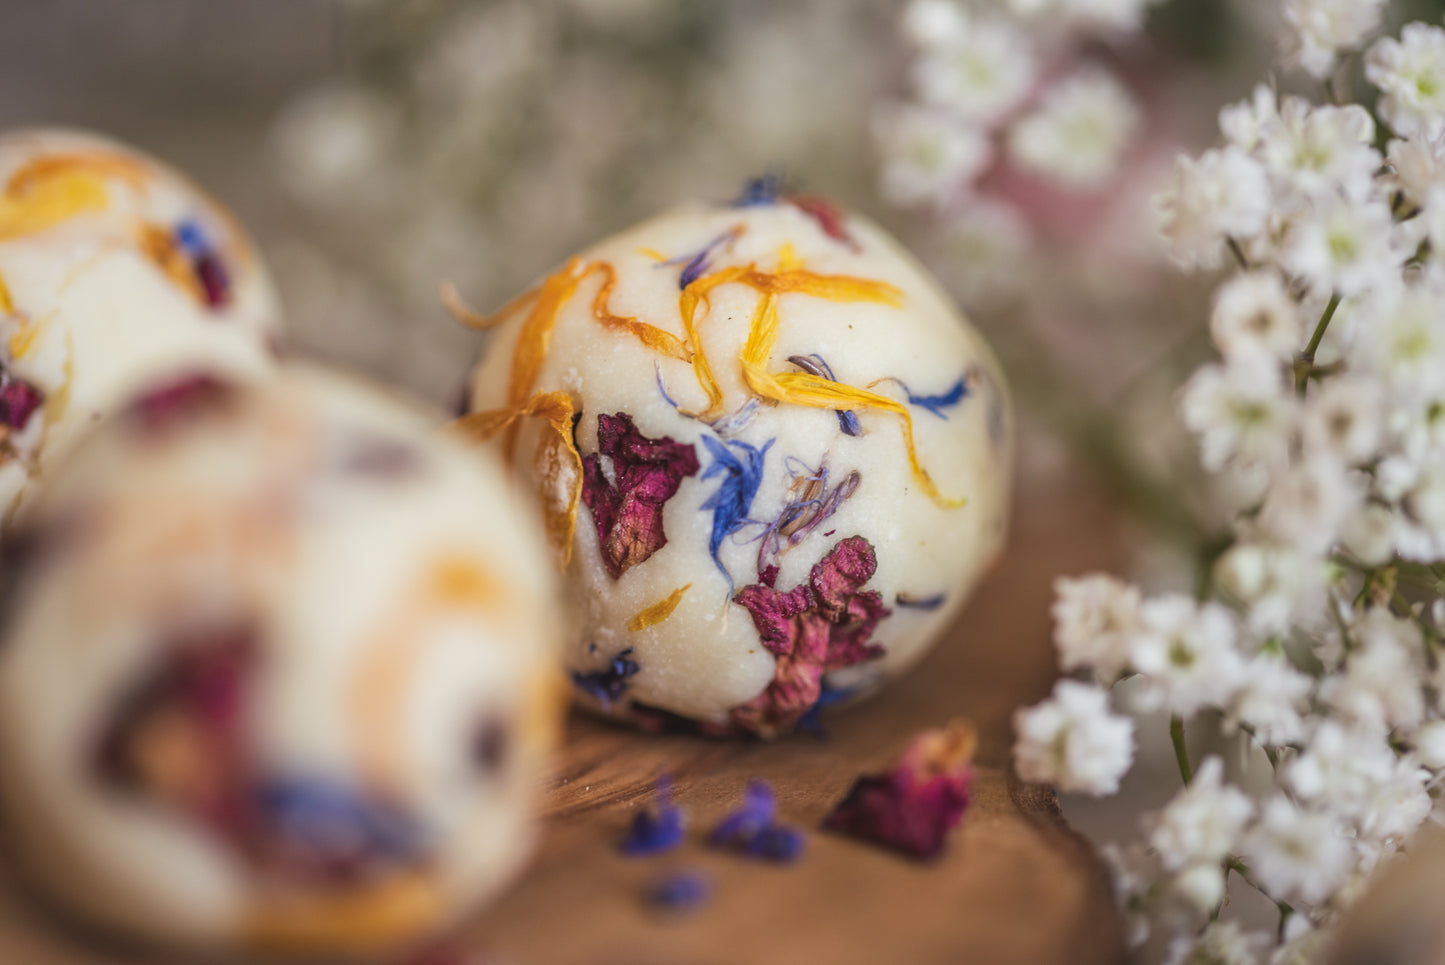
[{"x": 658, "y": 830}]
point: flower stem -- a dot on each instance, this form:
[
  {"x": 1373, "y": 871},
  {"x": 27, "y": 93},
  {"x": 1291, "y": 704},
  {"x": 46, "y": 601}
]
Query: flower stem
[
  {"x": 1181, "y": 753},
  {"x": 1305, "y": 364}
]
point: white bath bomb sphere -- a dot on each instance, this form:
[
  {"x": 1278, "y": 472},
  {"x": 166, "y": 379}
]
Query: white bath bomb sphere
[
  {"x": 115, "y": 271},
  {"x": 279, "y": 673},
  {"x": 792, "y": 458}
]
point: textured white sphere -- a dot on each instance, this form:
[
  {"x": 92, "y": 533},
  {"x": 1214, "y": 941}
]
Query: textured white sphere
[
  {"x": 792, "y": 458},
  {"x": 115, "y": 272},
  {"x": 279, "y": 671}
]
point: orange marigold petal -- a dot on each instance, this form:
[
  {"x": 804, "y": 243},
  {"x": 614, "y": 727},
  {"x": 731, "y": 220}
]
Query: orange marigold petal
[
  {"x": 653, "y": 615},
  {"x": 659, "y": 340}
]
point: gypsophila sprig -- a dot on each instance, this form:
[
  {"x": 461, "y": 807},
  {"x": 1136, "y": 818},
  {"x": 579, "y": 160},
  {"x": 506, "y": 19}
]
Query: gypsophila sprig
[
  {"x": 1008, "y": 92},
  {"x": 1313, "y": 647}
]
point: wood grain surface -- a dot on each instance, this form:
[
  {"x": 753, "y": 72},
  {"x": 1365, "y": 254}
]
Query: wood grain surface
[{"x": 1015, "y": 885}]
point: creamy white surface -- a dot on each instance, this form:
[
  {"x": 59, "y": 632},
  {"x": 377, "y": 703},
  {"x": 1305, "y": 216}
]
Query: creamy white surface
[
  {"x": 706, "y": 658},
  {"x": 106, "y": 319},
  {"x": 248, "y": 516}
]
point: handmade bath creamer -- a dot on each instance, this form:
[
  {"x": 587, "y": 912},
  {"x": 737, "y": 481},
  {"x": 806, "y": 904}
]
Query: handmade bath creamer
[
  {"x": 115, "y": 271},
  {"x": 279, "y": 672},
  {"x": 771, "y": 455}
]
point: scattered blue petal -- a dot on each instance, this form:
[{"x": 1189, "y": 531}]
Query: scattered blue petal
[
  {"x": 741, "y": 467},
  {"x": 937, "y": 403},
  {"x": 657, "y": 830},
  {"x": 760, "y": 191},
  {"x": 661, "y": 387},
  {"x": 679, "y": 891},
  {"x": 608, "y": 684},
  {"x": 919, "y": 602},
  {"x": 758, "y": 809},
  {"x": 190, "y": 237},
  {"x": 812, "y": 721},
  {"x": 321, "y": 823},
  {"x": 753, "y": 832}
]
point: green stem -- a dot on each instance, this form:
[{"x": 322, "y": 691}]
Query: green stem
[
  {"x": 1237, "y": 252},
  {"x": 1306, "y": 362},
  {"x": 1241, "y": 869},
  {"x": 1181, "y": 753}
]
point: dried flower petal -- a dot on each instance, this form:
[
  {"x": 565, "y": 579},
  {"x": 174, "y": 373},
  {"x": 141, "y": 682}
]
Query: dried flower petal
[
  {"x": 213, "y": 280},
  {"x": 913, "y": 806},
  {"x": 18, "y": 401},
  {"x": 607, "y": 685},
  {"x": 824, "y": 624},
  {"x": 628, "y": 514},
  {"x": 557, "y": 462},
  {"x": 829, "y": 217},
  {"x": 752, "y": 829},
  {"x": 810, "y": 503},
  {"x": 741, "y": 467},
  {"x": 660, "y": 341},
  {"x": 657, "y": 830},
  {"x": 760, "y": 191},
  {"x": 696, "y": 265},
  {"x": 318, "y": 830},
  {"x": 164, "y": 406},
  {"x": 919, "y": 602},
  {"x": 815, "y": 365},
  {"x": 653, "y": 615},
  {"x": 678, "y": 891},
  {"x": 57, "y": 187}
]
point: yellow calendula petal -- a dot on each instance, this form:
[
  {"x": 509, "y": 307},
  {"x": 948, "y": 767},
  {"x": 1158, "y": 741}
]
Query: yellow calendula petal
[
  {"x": 803, "y": 388},
  {"x": 160, "y": 246},
  {"x": 95, "y": 164},
  {"x": 7, "y": 304},
  {"x": 465, "y": 583},
  {"x": 660, "y": 341},
  {"x": 453, "y": 302},
  {"x": 558, "y": 464},
  {"x": 653, "y": 615},
  {"x": 652, "y": 253},
  {"x": 834, "y": 288},
  {"x": 694, "y": 296},
  {"x": 359, "y": 920},
  {"x": 48, "y": 202}
]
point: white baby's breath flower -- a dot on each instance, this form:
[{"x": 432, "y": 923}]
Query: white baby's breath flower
[
  {"x": 1223, "y": 194},
  {"x": 1341, "y": 768},
  {"x": 1202, "y": 886},
  {"x": 1272, "y": 701},
  {"x": 1320, "y": 149},
  {"x": 1078, "y": 133},
  {"x": 1203, "y": 822},
  {"x": 1410, "y": 73},
  {"x": 1429, "y": 744},
  {"x": 1379, "y": 689},
  {"x": 1420, "y": 522},
  {"x": 1306, "y": 504},
  {"x": 1344, "y": 246},
  {"x": 1403, "y": 335},
  {"x": 1343, "y": 419},
  {"x": 928, "y": 156},
  {"x": 1133, "y": 869},
  {"x": 929, "y": 23},
  {"x": 1094, "y": 618},
  {"x": 1186, "y": 655},
  {"x": 1297, "y": 853},
  {"x": 1318, "y": 31},
  {"x": 1255, "y": 314},
  {"x": 1417, "y": 166},
  {"x": 1241, "y": 412},
  {"x": 979, "y": 72},
  {"x": 1398, "y": 806},
  {"x": 1244, "y": 123},
  {"x": 1369, "y": 533},
  {"x": 1221, "y": 943},
  {"x": 1274, "y": 582},
  {"x": 1074, "y": 741}
]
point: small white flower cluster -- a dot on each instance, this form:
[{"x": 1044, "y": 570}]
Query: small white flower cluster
[
  {"x": 1004, "y": 85},
  {"x": 1318, "y": 643}
]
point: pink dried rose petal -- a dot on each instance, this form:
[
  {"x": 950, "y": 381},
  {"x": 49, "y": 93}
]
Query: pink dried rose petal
[
  {"x": 165, "y": 405},
  {"x": 18, "y": 401},
  {"x": 628, "y": 514},
  {"x": 822, "y": 625},
  {"x": 913, "y": 806}
]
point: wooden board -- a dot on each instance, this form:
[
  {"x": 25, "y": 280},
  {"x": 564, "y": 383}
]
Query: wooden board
[{"x": 1015, "y": 885}]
